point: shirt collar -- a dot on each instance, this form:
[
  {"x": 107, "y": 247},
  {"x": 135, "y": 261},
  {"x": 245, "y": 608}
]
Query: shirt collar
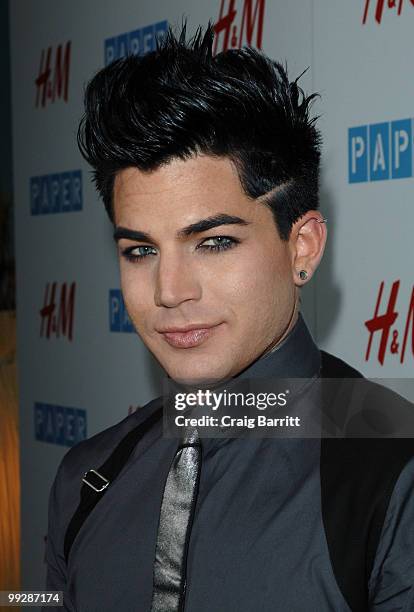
[{"x": 297, "y": 356}]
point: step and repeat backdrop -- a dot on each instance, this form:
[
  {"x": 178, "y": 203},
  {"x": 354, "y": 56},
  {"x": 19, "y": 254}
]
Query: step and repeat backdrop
[{"x": 81, "y": 366}]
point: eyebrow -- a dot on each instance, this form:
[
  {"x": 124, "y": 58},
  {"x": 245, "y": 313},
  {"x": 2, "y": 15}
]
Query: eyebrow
[{"x": 195, "y": 228}]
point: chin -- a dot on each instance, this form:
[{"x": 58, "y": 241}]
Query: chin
[
  {"x": 198, "y": 376},
  {"x": 187, "y": 378}
]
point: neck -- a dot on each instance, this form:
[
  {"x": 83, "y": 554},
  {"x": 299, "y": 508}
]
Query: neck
[{"x": 289, "y": 326}]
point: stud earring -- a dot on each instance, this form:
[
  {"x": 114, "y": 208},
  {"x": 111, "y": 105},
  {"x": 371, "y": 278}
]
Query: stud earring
[{"x": 303, "y": 275}]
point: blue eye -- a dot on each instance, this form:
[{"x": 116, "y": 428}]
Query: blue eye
[
  {"x": 143, "y": 251},
  {"x": 135, "y": 254},
  {"x": 221, "y": 243}
]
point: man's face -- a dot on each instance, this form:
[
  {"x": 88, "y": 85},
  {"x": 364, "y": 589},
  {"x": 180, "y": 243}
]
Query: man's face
[{"x": 233, "y": 282}]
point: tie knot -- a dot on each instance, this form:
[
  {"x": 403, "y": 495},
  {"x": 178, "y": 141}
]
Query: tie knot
[{"x": 190, "y": 437}]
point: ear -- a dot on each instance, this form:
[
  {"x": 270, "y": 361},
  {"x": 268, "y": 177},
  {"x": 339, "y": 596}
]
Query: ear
[{"x": 307, "y": 243}]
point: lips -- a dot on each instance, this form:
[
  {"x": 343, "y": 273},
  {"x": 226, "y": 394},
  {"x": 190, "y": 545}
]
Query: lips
[{"x": 188, "y": 337}]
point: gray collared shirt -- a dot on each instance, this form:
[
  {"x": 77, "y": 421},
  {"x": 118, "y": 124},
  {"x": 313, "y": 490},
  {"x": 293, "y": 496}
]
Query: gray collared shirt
[{"x": 257, "y": 542}]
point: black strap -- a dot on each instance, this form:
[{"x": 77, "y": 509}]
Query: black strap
[
  {"x": 109, "y": 470},
  {"x": 358, "y": 476}
]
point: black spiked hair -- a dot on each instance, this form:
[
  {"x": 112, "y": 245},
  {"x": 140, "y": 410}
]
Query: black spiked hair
[{"x": 179, "y": 100}]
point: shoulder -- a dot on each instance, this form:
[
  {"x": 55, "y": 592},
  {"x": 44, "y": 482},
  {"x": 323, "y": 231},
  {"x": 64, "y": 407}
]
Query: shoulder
[
  {"x": 391, "y": 579},
  {"x": 89, "y": 454},
  {"x": 96, "y": 449},
  {"x": 371, "y": 435},
  {"x": 369, "y": 452}
]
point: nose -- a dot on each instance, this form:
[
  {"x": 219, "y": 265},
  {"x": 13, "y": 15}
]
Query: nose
[{"x": 176, "y": 281}]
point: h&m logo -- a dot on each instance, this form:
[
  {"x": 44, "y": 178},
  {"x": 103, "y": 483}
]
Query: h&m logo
[
  {"x": 119, "y": 320},
  {"x": 52, "y": 81},
  {"x": 384, "y": 322},
  {"x": 54, "y": 193},
  {"x": 232, "y": 33},
  {"x": 59, "y": 424},
  {"x": 136, "y": 42},
  {"x": 378, "y": 7},
  {"x": 380, "y": 151},
  {"x": 57, "y": 319}
]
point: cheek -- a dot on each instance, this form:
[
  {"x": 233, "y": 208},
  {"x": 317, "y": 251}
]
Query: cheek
[
  {"x": 137, "y": 295},
  {"x": 261, "y": 296},
  {"x": 261, "y": 278}
]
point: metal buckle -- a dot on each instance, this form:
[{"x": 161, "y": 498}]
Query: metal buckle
[{"x": 105, "y": 480}]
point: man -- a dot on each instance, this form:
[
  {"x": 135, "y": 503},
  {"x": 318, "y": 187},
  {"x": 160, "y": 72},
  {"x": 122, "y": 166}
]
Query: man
[{"x": 208, "y": 169}]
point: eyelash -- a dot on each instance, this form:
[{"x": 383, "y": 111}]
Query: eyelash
[{"x": 127, "y": 253}]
